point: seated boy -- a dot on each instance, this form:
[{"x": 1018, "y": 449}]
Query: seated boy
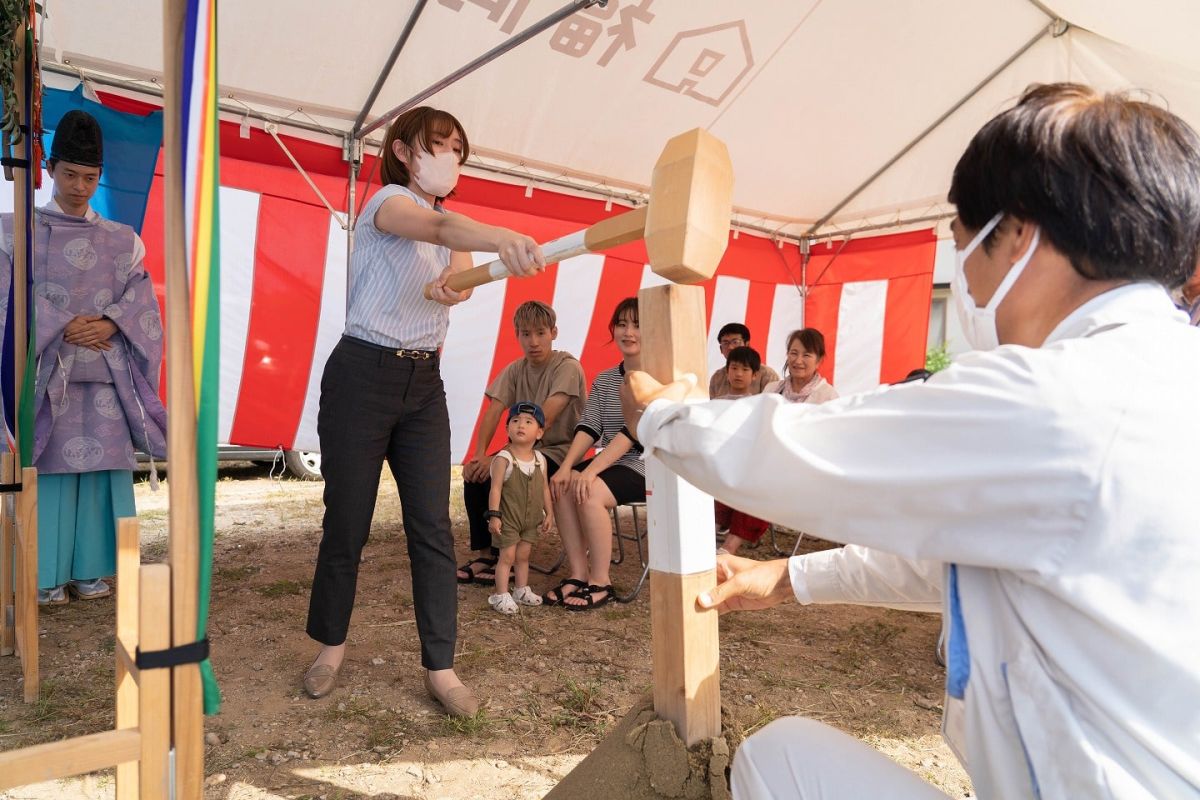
[
  {"x": 731, "y": 335},
  {"x": 519, "y": 506},
  {"x": 547, "y": 377},
  {"x": 742, "y": 368}
]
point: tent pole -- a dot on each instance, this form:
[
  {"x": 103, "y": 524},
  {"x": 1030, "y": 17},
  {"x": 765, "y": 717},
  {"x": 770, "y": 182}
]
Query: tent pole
[
  {"x": 352, "y": 144},
  {"x": 805, "y": 255},
  {"x": 899, "y": 223},
  {"x": 816, "y": 226},
  {"x": 386, "y": 72},
  {"x": 491, "y": 55}
]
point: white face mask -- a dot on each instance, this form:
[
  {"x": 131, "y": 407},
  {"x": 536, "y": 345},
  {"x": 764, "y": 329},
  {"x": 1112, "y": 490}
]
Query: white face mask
[
  {"x": 979, "y": 324},
  {"x": 437, "y": 174}
]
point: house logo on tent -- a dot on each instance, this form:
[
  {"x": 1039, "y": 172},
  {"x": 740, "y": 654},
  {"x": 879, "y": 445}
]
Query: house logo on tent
[{"x": 706, "y": 63}]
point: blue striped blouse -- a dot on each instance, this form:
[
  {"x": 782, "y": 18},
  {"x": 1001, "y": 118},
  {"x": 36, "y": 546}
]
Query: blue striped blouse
[{"x": 386, "y": 303}]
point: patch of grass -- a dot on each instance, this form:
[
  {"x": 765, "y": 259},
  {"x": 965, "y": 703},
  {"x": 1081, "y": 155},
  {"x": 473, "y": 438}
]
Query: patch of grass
[
  {"x": 759, "y": 716},
  {"x": 473, "y": 725},
  {"x": 620, "y": 612},
  {"x": 236, "y": 574},
  {"x": 468, "y": 659},
  {"x": 353, "y": 710},
  {"x": 155, "y": 549},
  {"x": 579, "y": 707},
  {"x": 282, "y": 588},
  {"x": 86, "y": 699},
  {"x": 876, "y": 633},
  {"x": 581, "y": 698}
]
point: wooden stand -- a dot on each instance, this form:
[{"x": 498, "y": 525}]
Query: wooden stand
[
  {"x": 18, "y": 574},
  {"x": 18, "y": 531},
  {"x": 139, "y": 746},
  {"x": 8, "y": 608},
  {"x": 687, "y": 688}
]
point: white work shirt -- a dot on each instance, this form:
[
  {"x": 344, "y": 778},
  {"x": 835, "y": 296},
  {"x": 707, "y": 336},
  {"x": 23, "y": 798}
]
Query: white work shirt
[{"x": 1059, "y": 485}]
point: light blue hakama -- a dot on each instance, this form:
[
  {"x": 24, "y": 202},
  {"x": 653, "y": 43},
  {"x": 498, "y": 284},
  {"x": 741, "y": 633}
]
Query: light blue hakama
[{"x": 77, "y": 524}]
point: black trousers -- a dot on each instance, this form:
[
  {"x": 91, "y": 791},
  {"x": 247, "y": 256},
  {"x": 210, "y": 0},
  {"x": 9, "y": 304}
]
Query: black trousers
[
  {"x": 475, "y": 500},
  {"x": 376, "y": 406}
]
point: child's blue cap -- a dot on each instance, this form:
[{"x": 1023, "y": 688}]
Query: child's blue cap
[{"x": 525, "y": 407}]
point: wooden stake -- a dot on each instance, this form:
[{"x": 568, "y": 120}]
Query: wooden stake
[
  {"x": 8, "y": 608},
  {"x": 187, "y": 700},
  {"x": 25, "y": 610},
  {"x": 26, "y": 588},
  {"x": 154, "y": 716},
  {"x": 679, "y": 518},
  {"x": 128, "y": 563}
]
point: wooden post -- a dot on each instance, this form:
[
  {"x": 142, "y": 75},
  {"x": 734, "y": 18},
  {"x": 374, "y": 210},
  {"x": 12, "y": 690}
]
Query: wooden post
[
  {"x": 679, "y": 516},
  {"x": 25, "y": 610},
  {"x": 128, "y": 605},
  {"x": 26, "y": 588},
  {"x": 8, "y": 608},
  {"x": 187, "y": 699},
  {"x": 154, "y": 716}
]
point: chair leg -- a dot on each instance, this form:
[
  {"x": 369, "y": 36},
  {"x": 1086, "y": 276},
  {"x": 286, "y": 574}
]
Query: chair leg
[
  {"x": 639, "y": 537},
  {"x": 616, "y": 518}
]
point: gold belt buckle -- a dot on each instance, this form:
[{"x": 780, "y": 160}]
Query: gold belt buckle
[{"x": 423, "y": 355}]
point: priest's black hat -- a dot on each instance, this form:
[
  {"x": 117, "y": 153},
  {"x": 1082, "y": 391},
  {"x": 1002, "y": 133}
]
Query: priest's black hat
[{"x": 78, "y": 139}]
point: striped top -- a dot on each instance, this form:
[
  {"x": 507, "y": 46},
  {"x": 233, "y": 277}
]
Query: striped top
[
  {"x": 602, "y": 419},
  {"x": 386, "y": 302}
]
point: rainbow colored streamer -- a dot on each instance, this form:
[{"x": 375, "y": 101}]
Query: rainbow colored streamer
[{"x": 201, "y": 154}]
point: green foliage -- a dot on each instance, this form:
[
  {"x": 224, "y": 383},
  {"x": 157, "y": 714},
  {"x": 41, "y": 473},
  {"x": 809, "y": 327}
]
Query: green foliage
[
  {"x": 281, "y": 588},
  {"x": 937, "y": 359}
]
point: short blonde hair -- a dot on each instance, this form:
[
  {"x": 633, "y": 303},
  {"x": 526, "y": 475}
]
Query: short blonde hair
[{"x": 534, "y": 314}]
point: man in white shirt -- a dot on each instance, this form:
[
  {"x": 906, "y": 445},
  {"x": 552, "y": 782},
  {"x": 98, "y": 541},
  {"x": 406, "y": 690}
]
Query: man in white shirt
[{"x": 1038, "y": 492}]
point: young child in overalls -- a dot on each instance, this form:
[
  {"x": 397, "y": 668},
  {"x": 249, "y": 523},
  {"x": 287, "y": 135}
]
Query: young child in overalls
[{"x": 519, "y": 507}]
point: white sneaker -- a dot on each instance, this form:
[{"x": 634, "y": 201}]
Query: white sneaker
[
  {"x": 90, "y": 590},
  {"x": 526, "y": 596},
  {"x": 53, "y": 597},
  {"x": 503, "y": 603}
]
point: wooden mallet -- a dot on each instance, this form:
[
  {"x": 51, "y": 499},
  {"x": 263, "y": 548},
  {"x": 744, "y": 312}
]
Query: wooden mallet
[{"x": 685, "y": 225}]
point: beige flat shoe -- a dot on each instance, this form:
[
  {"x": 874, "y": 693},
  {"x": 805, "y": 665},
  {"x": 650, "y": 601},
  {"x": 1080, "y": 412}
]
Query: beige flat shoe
[
  {"x": 320, "y": 680},
  {"x": 458, "y": 702}
]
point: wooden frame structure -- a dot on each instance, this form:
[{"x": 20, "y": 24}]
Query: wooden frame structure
[
  {"x": 18, "y": 518},
  {"x": 140, "y": 743}
]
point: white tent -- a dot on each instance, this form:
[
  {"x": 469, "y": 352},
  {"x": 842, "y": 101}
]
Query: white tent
[{"x": 840, "y": 114}]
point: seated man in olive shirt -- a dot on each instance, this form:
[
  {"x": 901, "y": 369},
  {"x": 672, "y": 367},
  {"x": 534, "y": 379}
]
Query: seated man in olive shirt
[{"x": 552, "y": 379}]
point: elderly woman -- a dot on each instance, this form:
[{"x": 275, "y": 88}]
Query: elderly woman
[
  {"x": 1042, "y": 502},
  {"x": 802, "y": 382}
]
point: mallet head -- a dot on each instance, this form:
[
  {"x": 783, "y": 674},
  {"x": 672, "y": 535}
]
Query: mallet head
[{"x": 691, "y": 201}]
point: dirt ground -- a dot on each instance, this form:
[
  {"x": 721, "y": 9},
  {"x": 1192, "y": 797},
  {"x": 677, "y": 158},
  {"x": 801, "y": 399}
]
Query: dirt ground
[{"x": 554, "y": 682}]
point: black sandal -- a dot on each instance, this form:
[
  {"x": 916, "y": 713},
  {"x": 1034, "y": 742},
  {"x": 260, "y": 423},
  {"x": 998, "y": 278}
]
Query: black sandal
[
  {"x": 479, "y": 576},
  {"x": 588, "y": 595},
  {"x": 548, "y": 600}
]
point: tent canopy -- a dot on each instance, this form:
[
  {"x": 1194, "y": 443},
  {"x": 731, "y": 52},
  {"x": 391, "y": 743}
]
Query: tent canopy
[{"x": 838, "y": 115}]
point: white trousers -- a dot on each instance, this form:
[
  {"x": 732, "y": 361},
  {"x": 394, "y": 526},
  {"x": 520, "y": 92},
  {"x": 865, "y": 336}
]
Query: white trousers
[{"x": 801, "y": 758}]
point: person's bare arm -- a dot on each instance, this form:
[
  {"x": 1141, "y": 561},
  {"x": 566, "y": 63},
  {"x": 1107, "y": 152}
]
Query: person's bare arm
[
  {"x": 476, "y": 468},
  {"x": 401, "y": 216},
  {"x": 554, "y": 405}
]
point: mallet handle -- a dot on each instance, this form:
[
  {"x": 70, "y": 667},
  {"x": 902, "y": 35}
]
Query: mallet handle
[{"x": 605, "y": 234}]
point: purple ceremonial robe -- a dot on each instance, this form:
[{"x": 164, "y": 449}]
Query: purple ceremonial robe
[{"x": 93, "y": 407}]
